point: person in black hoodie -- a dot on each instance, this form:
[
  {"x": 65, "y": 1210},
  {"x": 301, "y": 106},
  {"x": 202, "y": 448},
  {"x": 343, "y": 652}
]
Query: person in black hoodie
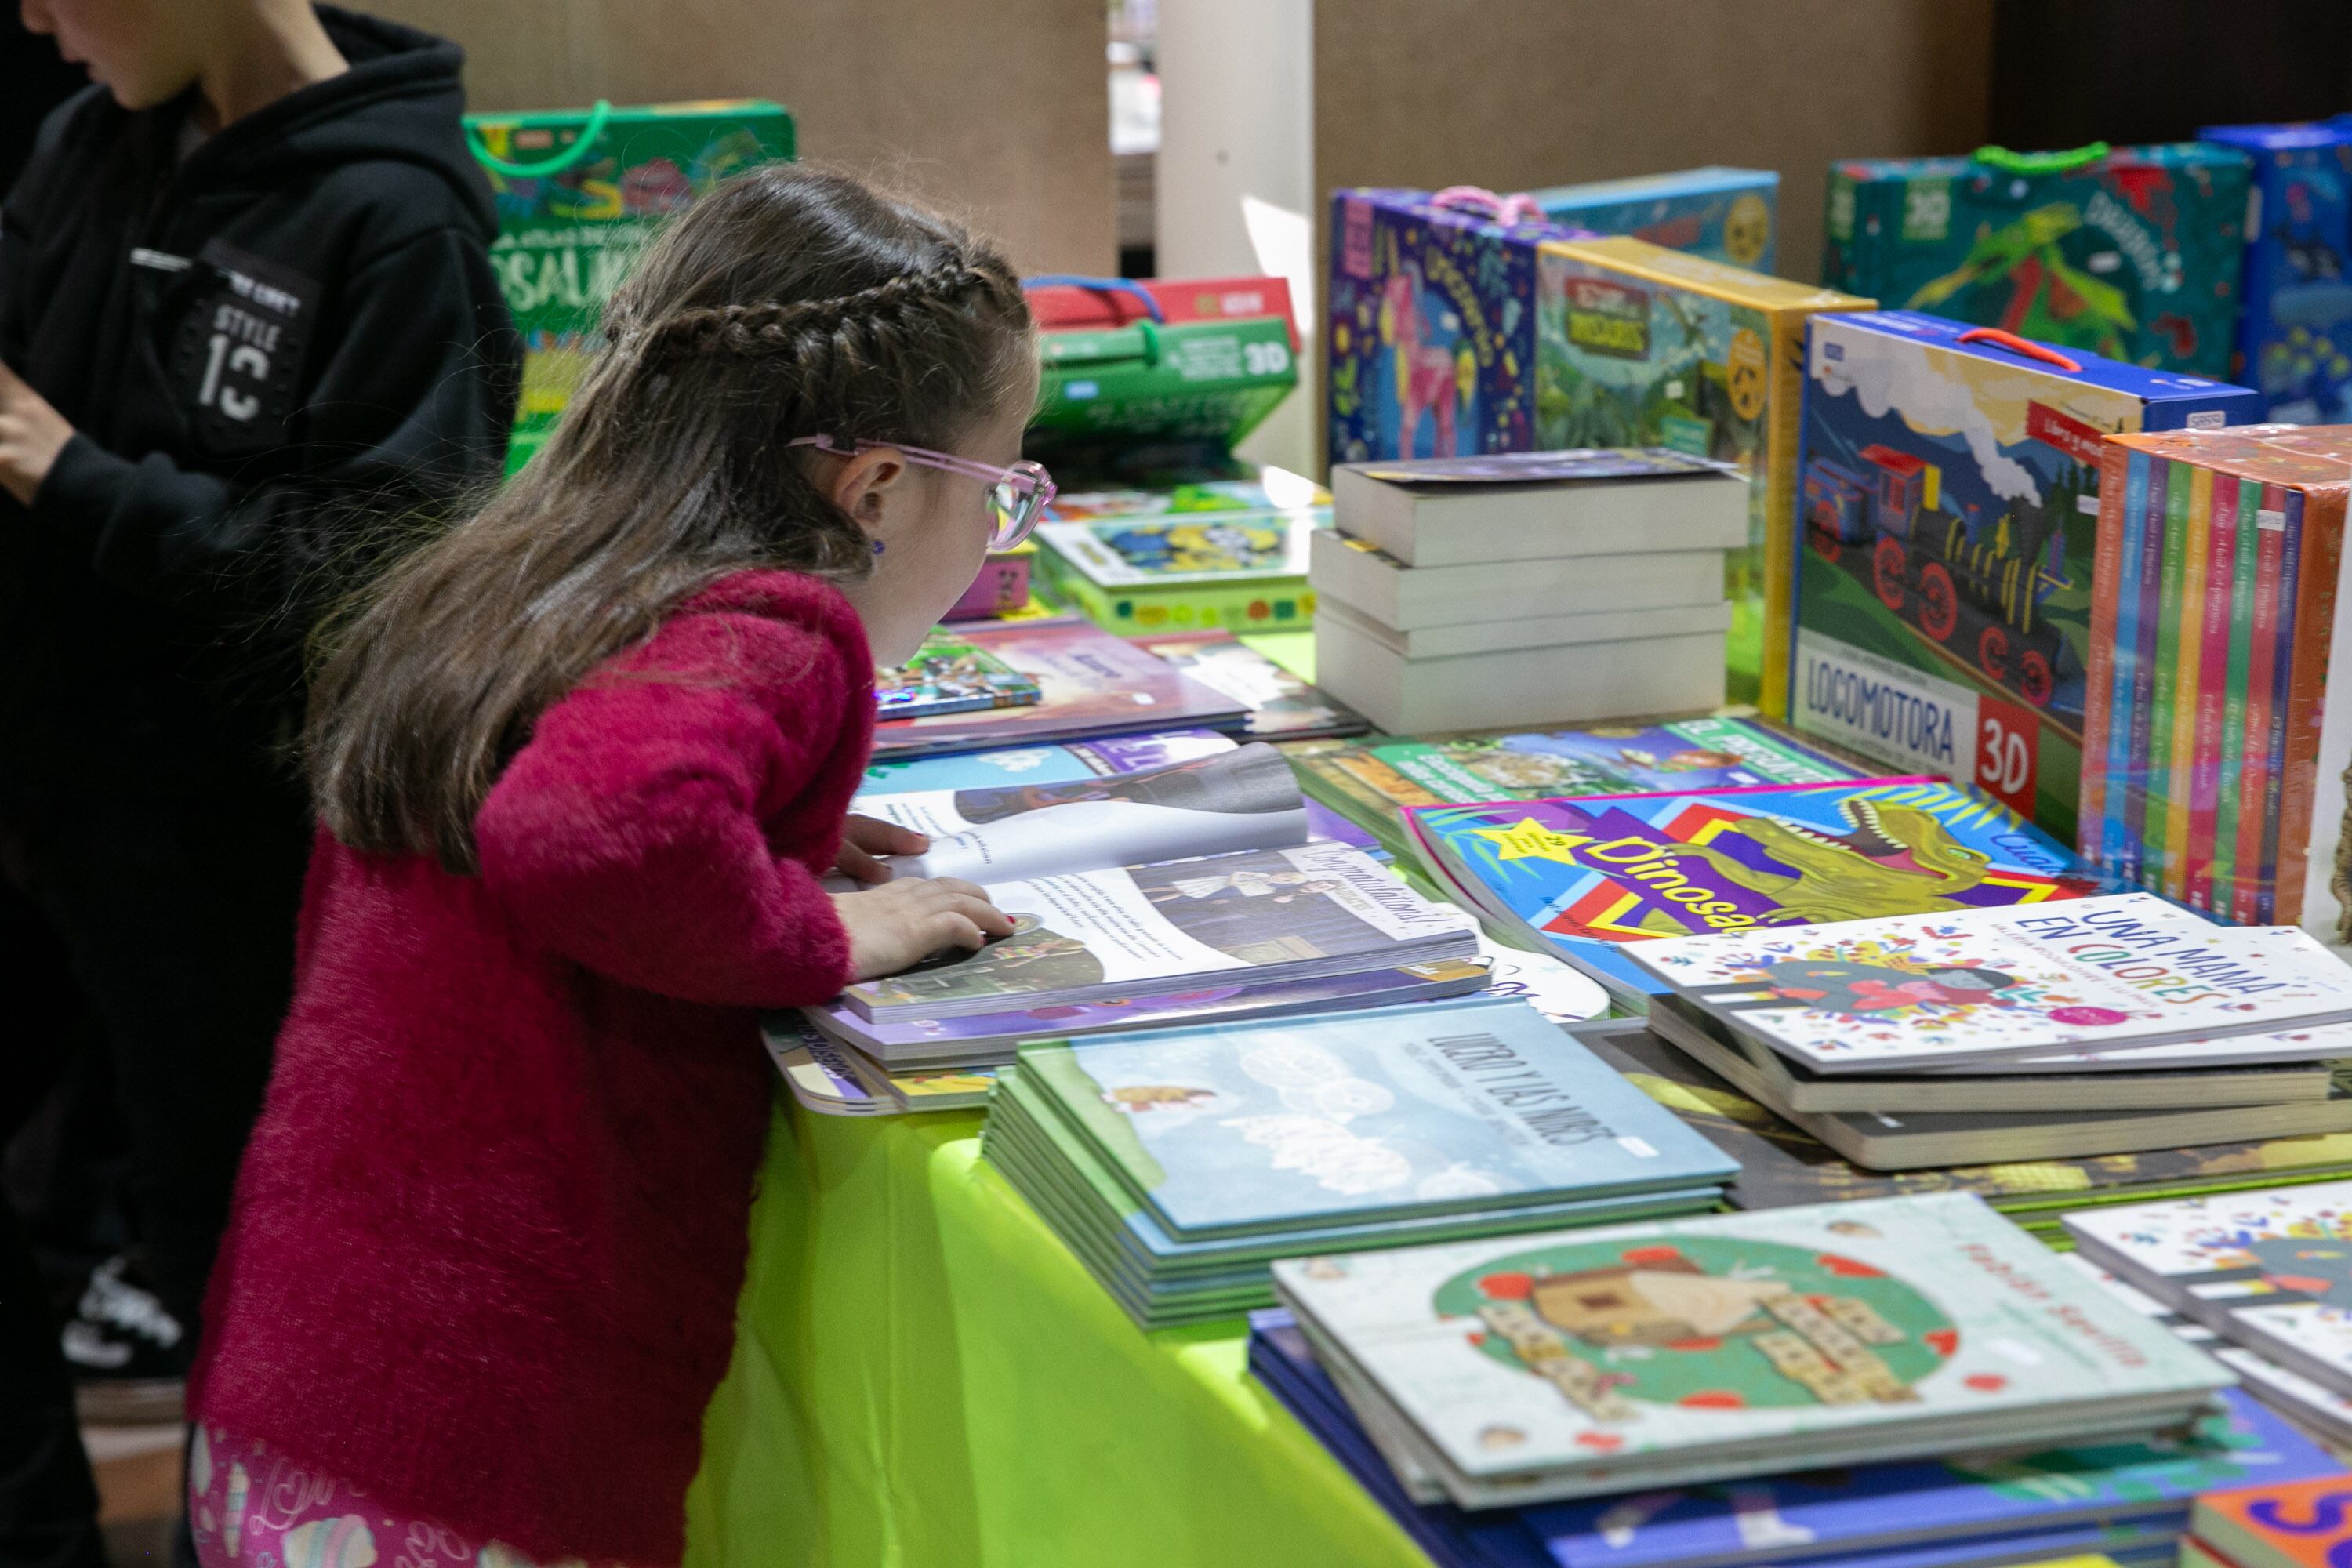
[{"x": 247, "y": 323}]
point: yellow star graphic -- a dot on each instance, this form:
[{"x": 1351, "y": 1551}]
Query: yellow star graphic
[{"x": 1528, "y": 839}]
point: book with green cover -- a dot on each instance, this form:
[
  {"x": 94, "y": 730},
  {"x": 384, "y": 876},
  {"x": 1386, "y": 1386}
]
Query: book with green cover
[
  {"x": 1200, "y": 555},
  {"x": 1371, "y": 783},
  {"x": 1600, "y": 1361},
  {"x": 1454, "y": 1106}
]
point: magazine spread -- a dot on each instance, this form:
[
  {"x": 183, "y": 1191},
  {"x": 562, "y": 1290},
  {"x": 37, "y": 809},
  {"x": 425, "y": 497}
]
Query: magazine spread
[
  {"x": 1241, "y": 799},
  {"x": 1456, "y": 1105},
  {"x": 1557, "y": 1364},
  {"x": 1990, "y": 983},
  {"x": 1318, "y": 909},
  {"x": 1594, "y": 877}
]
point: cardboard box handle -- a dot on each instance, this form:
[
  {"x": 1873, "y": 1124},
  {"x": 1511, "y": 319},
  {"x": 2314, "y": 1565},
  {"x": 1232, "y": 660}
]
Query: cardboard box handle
[
  {"x": 1099, "y": 286},
  {"x": 2017, "y": 345},
  {"x": 2041, "y": 163},
  {"x": 555, "y": 162}
]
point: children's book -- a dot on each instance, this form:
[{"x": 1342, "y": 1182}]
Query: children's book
[
  {"x": 1272, "y": 914},
  {"x": 1455, "y": 1105},
  {"x": 1594, "y": 879},
  {"x": 951, "y": 675},
  {"x": 1091, "y": 684},
  {"x": 1243, "y": 799},
  {"x": 1601, "y": 1362},
  {"x": 1204, "y": 555},
  {"x": 1989, "y": 984},
  {"x": 1039, "y": 765},
  {"x": 1371, "y": 782},
  {"x": 1783, "y": 1166},
  {"x": 1282, "y": 707},
  {"x": 2270, "y": 1269},
  {"x": 2284, "y": 1524}
]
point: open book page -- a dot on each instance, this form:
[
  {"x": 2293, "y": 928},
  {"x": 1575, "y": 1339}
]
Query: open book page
[{"x": 1241, "y": 799}]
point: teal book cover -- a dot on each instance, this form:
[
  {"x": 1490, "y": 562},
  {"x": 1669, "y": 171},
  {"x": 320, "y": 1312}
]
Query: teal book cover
[
  {"x": 1448, "y": 1107},
  {"x": 1591, "y": 875}
]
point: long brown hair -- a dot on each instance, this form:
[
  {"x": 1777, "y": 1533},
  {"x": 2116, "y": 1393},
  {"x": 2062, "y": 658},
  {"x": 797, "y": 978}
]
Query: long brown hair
[{"x": 787, "y": 302}]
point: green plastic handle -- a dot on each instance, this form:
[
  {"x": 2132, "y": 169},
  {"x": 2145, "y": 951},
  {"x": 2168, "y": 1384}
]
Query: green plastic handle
[
  {"x": 2041, "y": 163},
  {"x": 554, "y": 162}
]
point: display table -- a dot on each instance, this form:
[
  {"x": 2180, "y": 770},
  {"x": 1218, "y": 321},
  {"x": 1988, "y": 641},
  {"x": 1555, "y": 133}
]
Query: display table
[{"x": 924, "y": 1377}]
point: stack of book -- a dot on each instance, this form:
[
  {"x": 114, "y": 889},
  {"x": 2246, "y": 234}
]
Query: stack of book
[
  {"x": 2213, "y": 753},
  {"x": 2268, "y": 1270},
  {"x": 1214, "y": 554},
  {"x": 2129, "y": 1503},
  {"x": 1590, "y": 879},
  {"x": 2092, "y": 1027},
  {"x": 1371, "y": 783},
  {"x": 1526, "y": 588},
  {"x": 1603, "y": 1362},
  {"x": 1179, "y": 1163},
  {"x": 2282, "y": 1523},
  {"x": 1087, "y": 684},
  {"x": 1781, "y": 1165}
]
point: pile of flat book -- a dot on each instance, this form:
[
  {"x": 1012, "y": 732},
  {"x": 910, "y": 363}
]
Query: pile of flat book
[
  {"x": 1179, "y": 1163},
  {"x": 2089, "y": 1027}
]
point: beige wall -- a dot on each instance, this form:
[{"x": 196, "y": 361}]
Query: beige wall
[
  {"x": 995, "y": 108},
  {"x": 1511, "y": 94}
]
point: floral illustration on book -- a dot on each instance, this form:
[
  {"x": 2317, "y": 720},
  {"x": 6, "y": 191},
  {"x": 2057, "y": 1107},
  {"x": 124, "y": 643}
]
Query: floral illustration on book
[{"x": 1702, "y": 1323}]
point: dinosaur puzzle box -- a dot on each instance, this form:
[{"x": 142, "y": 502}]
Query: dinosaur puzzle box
[
  {"x": 1948, "y": 490},
  {"x": 2131, "y": 253},
  {"x": 1639, "y": 345},
  {"x": 1430, "y": 338},
  {"x": 2295, "y": 327},
  {"x": 577, "y": 191}
]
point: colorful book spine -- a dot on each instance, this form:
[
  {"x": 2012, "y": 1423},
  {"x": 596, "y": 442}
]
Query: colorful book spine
[
  {"x": 2321, "y": 515},
  {"x": 2213, "y": 661},
  {"x": 2132, "y": 532},
  {"x": 2144, "y": 630},
  {"x": 2157, "y": 868},
  {"x": 2239, "y": 613},
  {"x": 2289, "y": 590},
  {"x": 2269, "y": 524},
  {"x": 2093, "y": 839},
  {"x": 2187, "y": 696}
]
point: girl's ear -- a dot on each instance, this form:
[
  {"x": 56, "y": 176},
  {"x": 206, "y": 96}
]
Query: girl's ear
[{"x": 868, "y": 485}]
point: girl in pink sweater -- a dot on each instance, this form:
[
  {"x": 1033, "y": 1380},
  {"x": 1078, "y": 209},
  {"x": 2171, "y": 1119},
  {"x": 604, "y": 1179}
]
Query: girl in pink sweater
[{"x": 581, "y": 763}]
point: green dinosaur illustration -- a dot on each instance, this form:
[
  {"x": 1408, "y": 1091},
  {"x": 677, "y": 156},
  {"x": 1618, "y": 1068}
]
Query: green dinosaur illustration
[
  {"x": 2050, "y": 300},
  {"x": 1898, "y": 860}
]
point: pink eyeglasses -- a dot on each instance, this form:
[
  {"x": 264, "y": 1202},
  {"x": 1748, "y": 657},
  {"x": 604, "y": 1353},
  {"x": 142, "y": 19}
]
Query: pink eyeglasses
[{"x": 1018, "y": 495}]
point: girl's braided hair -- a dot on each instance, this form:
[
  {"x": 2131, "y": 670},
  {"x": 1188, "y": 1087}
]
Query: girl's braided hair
[{"x": 789, "y": 301}]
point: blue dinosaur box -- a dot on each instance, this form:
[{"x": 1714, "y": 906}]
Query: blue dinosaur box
[
  {"x": 1430, "y": 340},
  {"x": 2294, "y": 325},
  {"x": 1725, "y": 214},
  {"x": 1947, "y": 502}
]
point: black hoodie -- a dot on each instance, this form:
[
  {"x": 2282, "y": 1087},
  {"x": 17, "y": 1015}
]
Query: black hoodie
[{"x": 266, "y": 349}]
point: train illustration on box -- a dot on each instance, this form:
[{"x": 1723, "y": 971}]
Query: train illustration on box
[{"x": 1975, "y": 586}]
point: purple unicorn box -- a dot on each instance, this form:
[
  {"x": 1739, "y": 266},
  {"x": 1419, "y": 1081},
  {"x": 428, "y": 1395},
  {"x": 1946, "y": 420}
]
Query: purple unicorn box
[{"x": 1430, "y": 343}]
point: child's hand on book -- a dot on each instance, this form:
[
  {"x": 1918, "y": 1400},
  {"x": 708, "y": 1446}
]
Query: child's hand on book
[
  {"x": 863, "y": 838},
  {"x": 898, "y": 924}
]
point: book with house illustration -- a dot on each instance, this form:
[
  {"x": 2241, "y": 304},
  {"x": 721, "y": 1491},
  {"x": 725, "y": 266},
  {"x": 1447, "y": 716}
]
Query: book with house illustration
[{"x": 1604, "y": 1360}]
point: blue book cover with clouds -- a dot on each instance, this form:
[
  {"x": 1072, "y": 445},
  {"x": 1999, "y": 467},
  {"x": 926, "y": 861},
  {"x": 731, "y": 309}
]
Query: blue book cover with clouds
[{"x": 1443, "y": 1107}]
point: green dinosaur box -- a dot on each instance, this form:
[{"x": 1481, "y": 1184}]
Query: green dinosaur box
[
  {"x": 577, "y": 191},
  {"x": 2133, "y": 253}
]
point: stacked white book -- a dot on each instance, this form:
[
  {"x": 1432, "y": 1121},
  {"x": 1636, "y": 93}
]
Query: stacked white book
[{"x": 1526, "y": 588}]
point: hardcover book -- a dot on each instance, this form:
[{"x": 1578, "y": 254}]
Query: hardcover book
[
  {"x": 1593, "y": 879},
  {"x": 1596, "y": 1361},
  {"x": 1038, "y": 764},
  {"x": 950, "y": 675},
  {"x": 1472, "y": 1104}
]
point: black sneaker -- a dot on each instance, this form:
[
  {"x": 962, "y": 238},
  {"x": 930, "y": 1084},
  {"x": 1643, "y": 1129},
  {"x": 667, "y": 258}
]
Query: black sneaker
[{"x": 129, "y": 1356}]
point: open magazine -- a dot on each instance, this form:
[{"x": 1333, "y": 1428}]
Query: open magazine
[
  {"x": 1246, "y": 799},
  {"x": 1288, "y": 913}
]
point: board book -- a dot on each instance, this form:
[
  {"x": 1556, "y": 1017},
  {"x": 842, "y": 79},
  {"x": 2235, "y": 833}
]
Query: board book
[{"x": 1594, "y": 879}]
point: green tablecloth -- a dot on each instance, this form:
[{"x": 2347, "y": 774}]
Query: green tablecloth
[{"x": 924, "y": 1377}]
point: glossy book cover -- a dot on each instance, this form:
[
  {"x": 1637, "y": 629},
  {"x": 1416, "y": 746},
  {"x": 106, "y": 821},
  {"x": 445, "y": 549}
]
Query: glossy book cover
[
  {"x": 1887, "y": 1321},
  {"x": 1452, "y": 1106},
  {"x": 1594, "y": 875}
]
